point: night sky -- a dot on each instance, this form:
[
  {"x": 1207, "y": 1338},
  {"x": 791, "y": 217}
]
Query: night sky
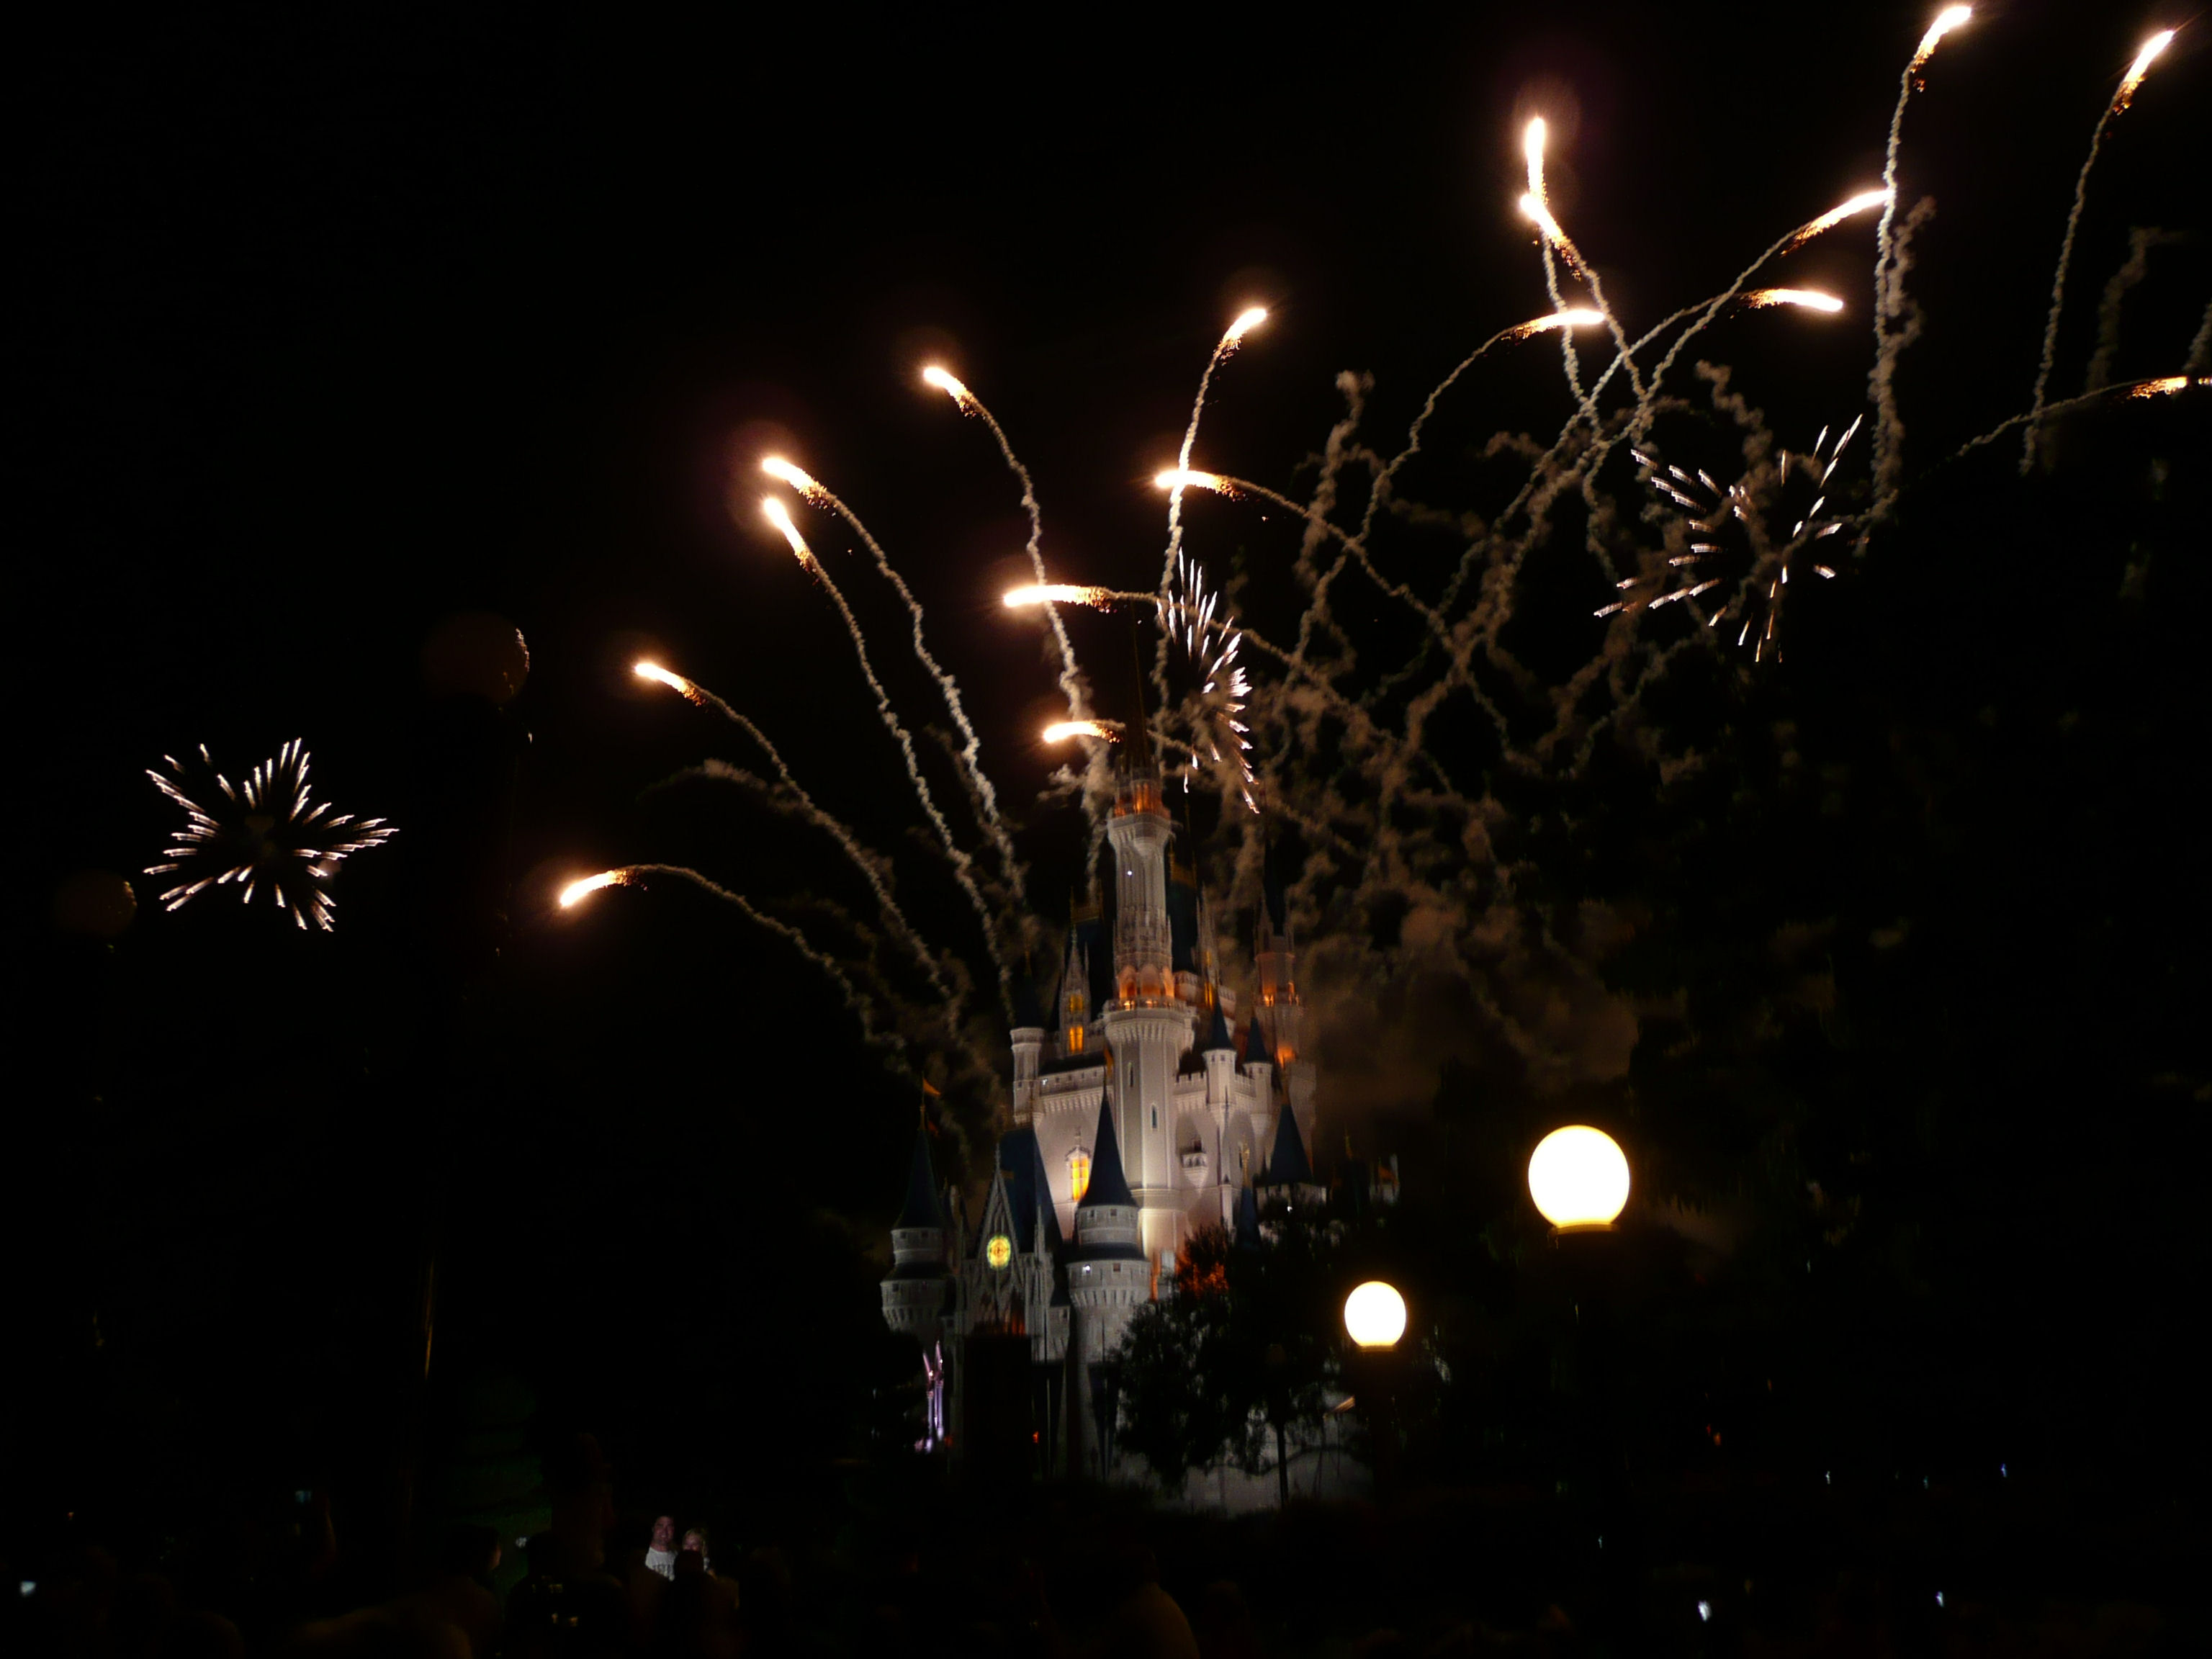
[{"x": 330, "y": 329}]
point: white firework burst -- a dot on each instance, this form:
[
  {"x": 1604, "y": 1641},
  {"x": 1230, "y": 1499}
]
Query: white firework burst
[
  {"x": 262, "y": 832},
  {"x": 1192, "y": 614},
  {"x": 1736, "y": 542}
]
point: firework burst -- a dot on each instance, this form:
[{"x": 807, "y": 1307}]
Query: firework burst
[
  {"x": 264, "y": 833},
  {"x": 1729, "y": 536}
]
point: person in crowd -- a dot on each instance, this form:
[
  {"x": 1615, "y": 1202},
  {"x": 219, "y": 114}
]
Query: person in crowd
[
  {"x": 695, "y": 1539},
  {"x": 660, "y": 1554}
]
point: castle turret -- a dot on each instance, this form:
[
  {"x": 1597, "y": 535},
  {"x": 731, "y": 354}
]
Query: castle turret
[
  {"x": 914, "y": 1294},
  {"x": 1108, "y": 1279},
  {"x": 1148, "y": 1025},
  {"x": 1027, "y": 1038},
  {"x": 1220, "y": 1054}
]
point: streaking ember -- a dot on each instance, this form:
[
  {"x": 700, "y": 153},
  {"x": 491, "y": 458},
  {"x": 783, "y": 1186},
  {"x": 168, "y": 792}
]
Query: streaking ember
[
  {"x": 1810, "y": 298},
  {"x": 779, "y": 515},
  {"x": 2149, "y": 54},
  {"x": 1062, "y": 730},
  {"x": 945, "y": 382},
  {"x": 1035, "y": 593},
  {"x": 582, "y": 888},
  {"x": 1183, "y": 478},
  {"x": 266, "y": 831},
  {"x": 784, "y": 472},
  {"x": 1865, "y": 202},
  {"x": 676, "y": 683},
  {"x": 1949, "y": 18}
]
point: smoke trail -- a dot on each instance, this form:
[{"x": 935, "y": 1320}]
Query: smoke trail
[
  {"x": 2200, "y": 347},
  {"x": 1225, "y": 349},
  {"x": 971, "y": 745},
  {"x": 1888, "y": 429},
  {"x": 796, "y": 803},
  {"x": 894, "y": 1045},
  {"x": 867, "y": 863},
  {"x": 1097, "y": 785},
  {"x": 2058, "y": 290},
  {"x": 962, "y": 866},
  {"x": 2141, "y": 240},
  {"x": 1889, "y": 269}
]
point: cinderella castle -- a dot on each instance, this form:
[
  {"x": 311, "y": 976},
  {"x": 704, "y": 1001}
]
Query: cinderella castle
[{"x": 1139, "y": 1114}]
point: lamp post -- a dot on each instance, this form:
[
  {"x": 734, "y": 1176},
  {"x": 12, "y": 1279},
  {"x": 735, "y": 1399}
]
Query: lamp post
[
  {"x": 1578, "y": 1178},
  {"x": 1374, "y": 1319}
]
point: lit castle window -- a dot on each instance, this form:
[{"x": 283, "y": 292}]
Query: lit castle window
[
  {"x": 1079, "y": 1174},
  {"x": 999, "y": 1251}
]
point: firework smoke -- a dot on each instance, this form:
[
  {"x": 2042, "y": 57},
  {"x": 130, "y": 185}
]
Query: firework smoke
[
  {"x": 2144, "y": 59},
  {"x": 964, "y": 869}
]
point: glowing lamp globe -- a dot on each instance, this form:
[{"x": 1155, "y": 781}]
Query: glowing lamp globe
[
  {"x": 1579, "y": 1179},
  {"x": 1374, "y": 1316}
]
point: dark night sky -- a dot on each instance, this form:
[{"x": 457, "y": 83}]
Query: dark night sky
[{"x": 328, "y": 327}]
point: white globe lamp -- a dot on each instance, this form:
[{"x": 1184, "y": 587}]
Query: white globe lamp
[
  {"x": 1579, "y": 1179},
  {"x": 1374, "y": 1316}
]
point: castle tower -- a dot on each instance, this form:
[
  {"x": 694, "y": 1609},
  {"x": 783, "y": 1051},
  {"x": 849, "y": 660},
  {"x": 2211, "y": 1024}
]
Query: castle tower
[
  {"x": 1108, "y": 1279},
  {"x": 1279, "y": 1011},
  {"x": 916, "y": 1292},
  {"x": 1147, "y": 1026},
  {"x": 1027, "y": 1038}
]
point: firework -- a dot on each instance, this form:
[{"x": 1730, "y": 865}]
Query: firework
[
  {"x": 2144, "y": 59},
  {"x": 1231, "y": 337},
  {"x": 1062, "y": 730},
  {"x": 676, "y": 683},
  {"x": 1810, "y": 298},
  {"x": 970, "y": 752},
  {"x": 962, "y": 866},
  {"x": 945, "y": 382},
  {"x": 265, "y": 832},
  {"x": 1888, "y": 274},
  {"x": 2149, "y": 54},
  {"x": 1183, "y": 478},
  {"x": 1725, "y": 524},
  {"x": 1865, "y": 202},
  {"x": 784, "y": 472},
  {"x": 576, "y": 892},
  {"x": 1037, "y": 593},
  {"x": 1946, "y": 20}
]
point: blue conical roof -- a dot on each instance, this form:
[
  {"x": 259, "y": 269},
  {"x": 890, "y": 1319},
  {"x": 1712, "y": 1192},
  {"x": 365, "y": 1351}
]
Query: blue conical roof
[
  {"x": 1287, "y": 1164},
  {"x": 1109, "y": 1184},
  {"x": 1255, "y": 1040},
  {"x": 1217, "y": 1034},
  {"x": 922, "y": 1208}
]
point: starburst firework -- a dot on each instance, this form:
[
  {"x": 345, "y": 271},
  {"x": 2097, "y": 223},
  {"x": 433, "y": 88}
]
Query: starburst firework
[{"x": 265, "y": 833}]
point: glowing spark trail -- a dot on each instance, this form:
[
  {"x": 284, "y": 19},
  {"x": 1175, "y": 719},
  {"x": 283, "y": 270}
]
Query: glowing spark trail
[
  {"x": 1095, "y": 787},
  {"x": 576, "y": 892},
  {"x": 1531, "y": 149},
  {"x": 806, "y": 806},
  {"x": 1179, "y": 478},
  {"x": 1949, "y": 19},
  {"x": 1810, "y": 298},
  {"x": 1017, "y": 598},
  {"x": 1865, "y": 201},
  {"x": 266, "y": 831},
  {"x": 676, "y": 683},
  {"x": 962, "y": 866},
  {"x": 2144, "y": 59},
  {"x": 971, "y": 748},
  {"x": 2151, "y": 48},
  {"x": 1245, "y": 322},
  {"x": 1888, "y": 280},
  {"x": 1062, "y": 730}
]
